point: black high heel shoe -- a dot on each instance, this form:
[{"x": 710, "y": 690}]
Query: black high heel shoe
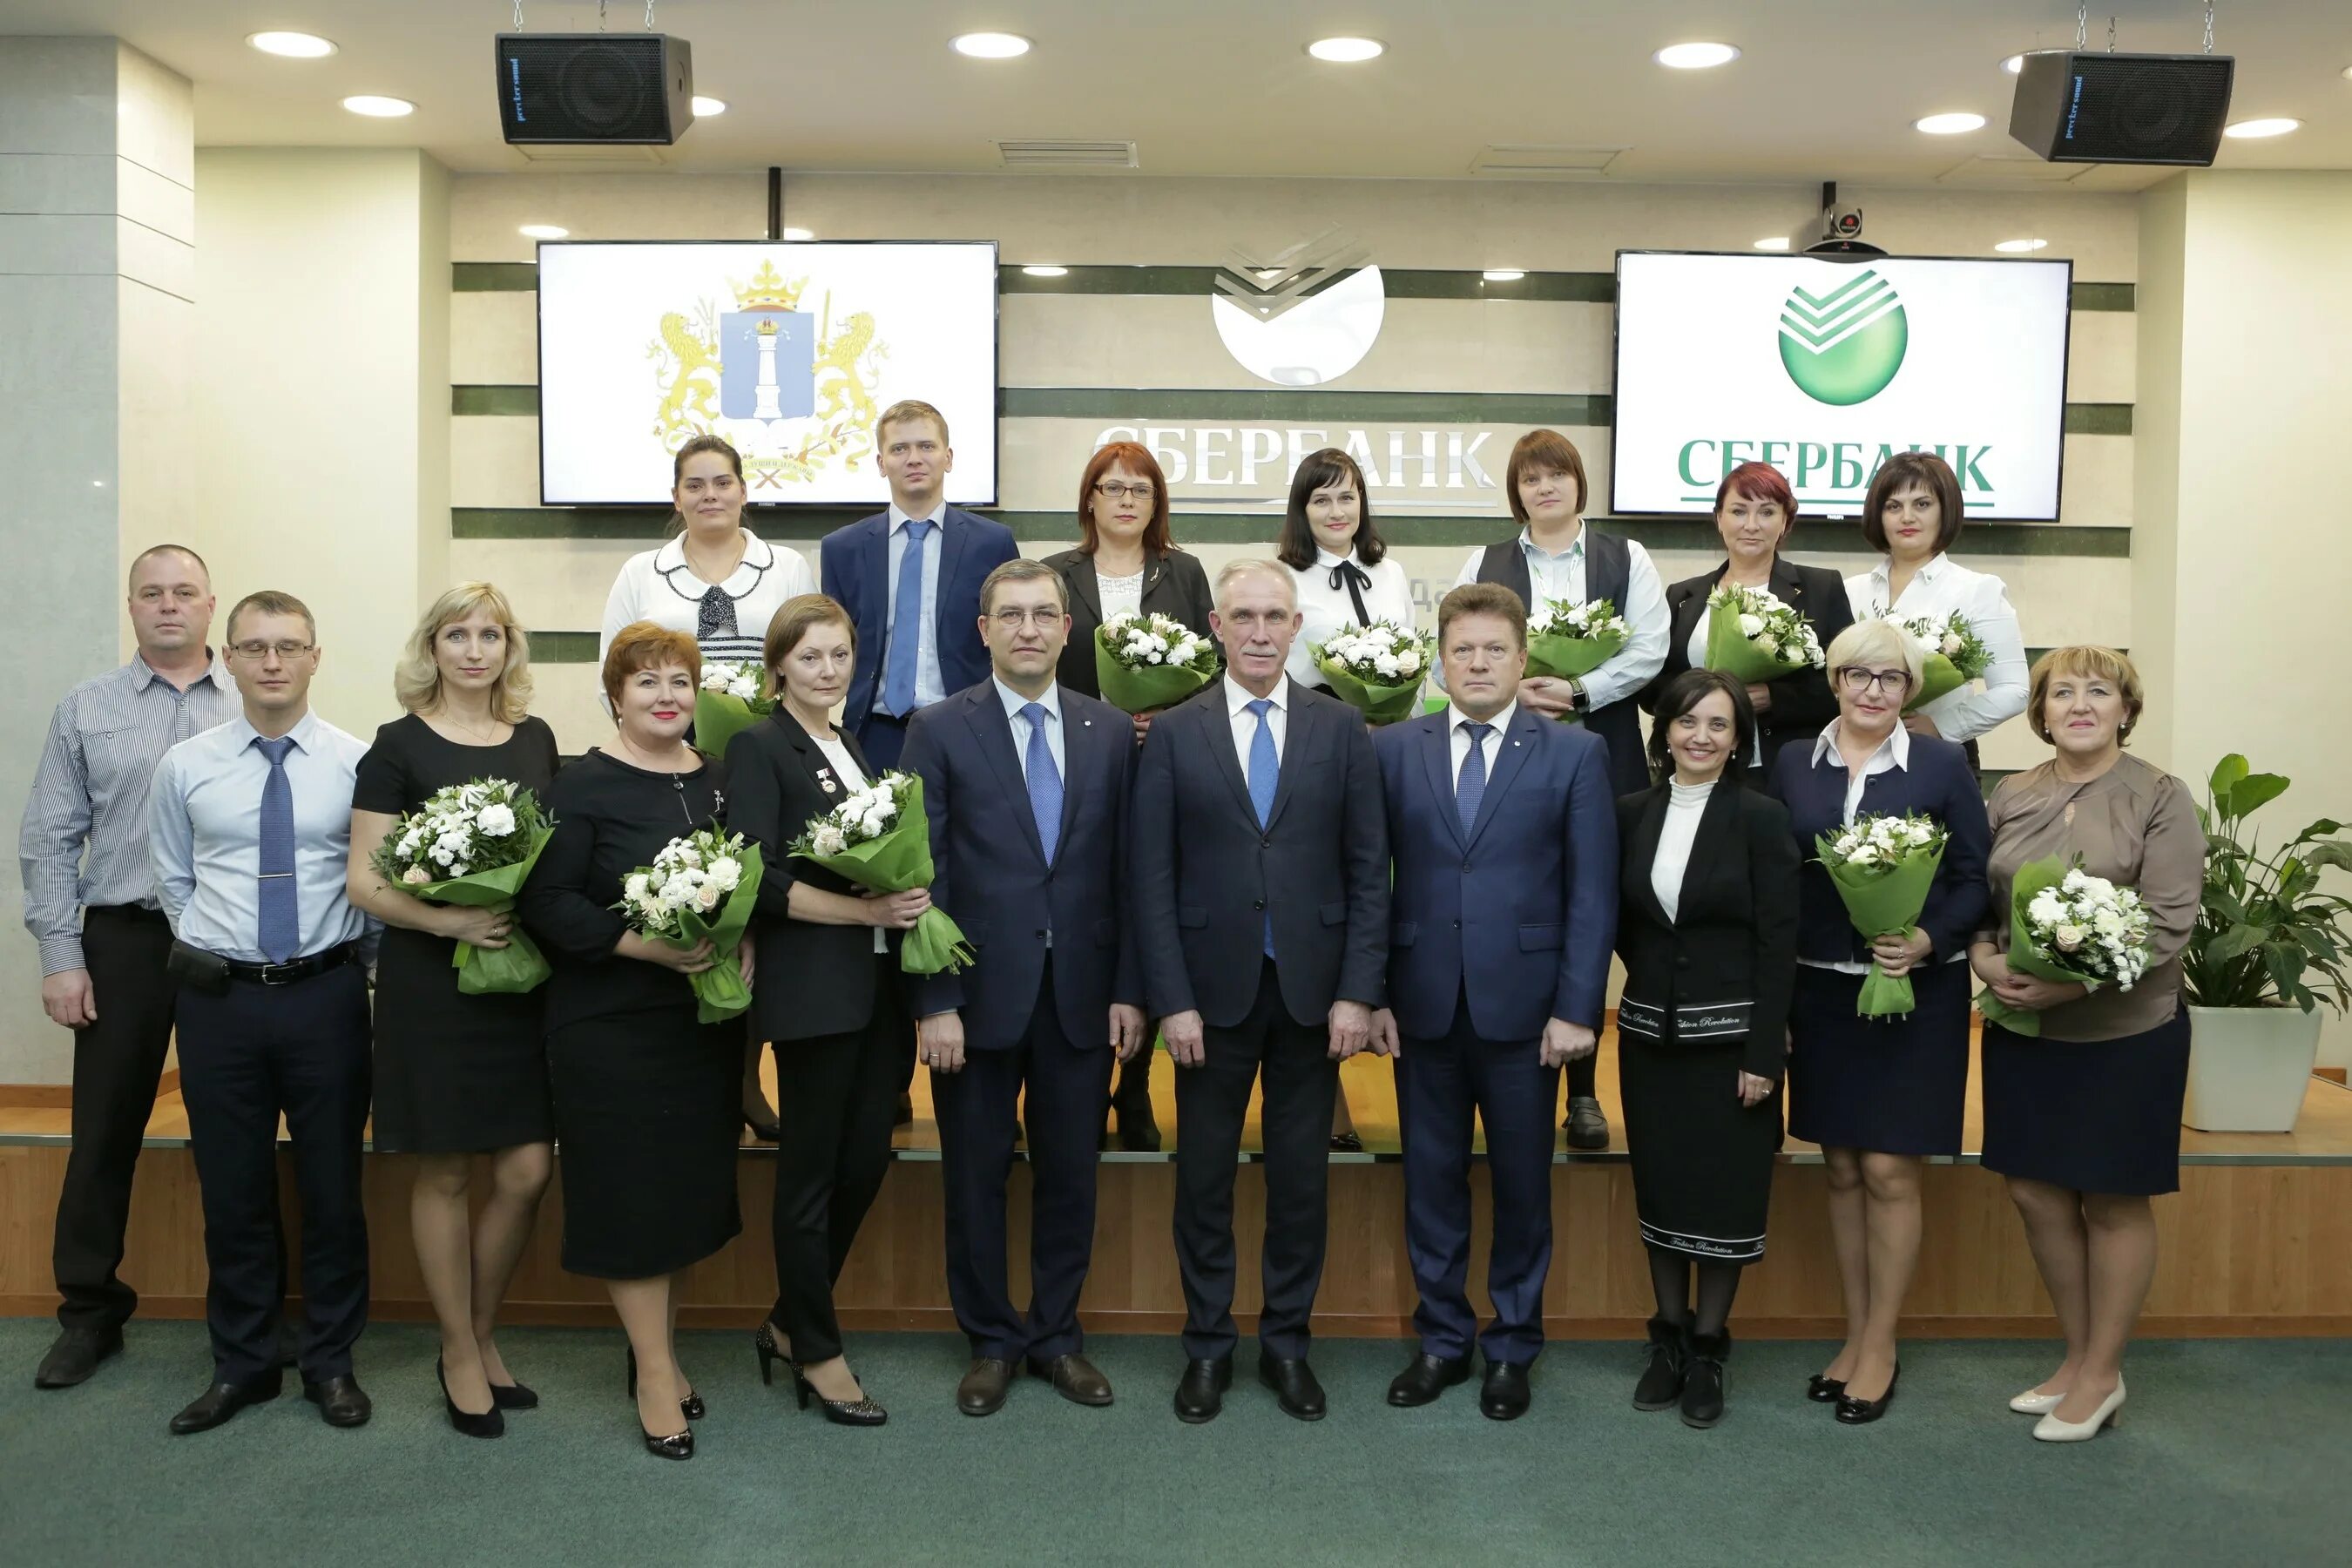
[
  {"x": 488, "y": 1424},
  {"x": 859, "y": 1411},
  {"x": 1853, "y": 1412},
  {"x": 513, "y": 1396},
  {"x": 677, "y": 1446},
  {"x": 1824, "y": 1390},
  {"x": 691, "y": 1407}
]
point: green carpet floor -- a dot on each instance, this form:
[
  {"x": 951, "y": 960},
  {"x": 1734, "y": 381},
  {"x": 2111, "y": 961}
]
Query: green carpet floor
[{"x": 2230, "y": 1452}]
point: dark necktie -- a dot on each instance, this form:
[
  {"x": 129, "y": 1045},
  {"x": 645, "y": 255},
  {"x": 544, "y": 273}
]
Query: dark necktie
[
  {"x": 1357, "y": 580},
  {"x": 906, "y": 624},
  {"x": 1044, "y": 781},
  {"x": 279, "y": 928},
  {"x": 1472, "y": 786}
]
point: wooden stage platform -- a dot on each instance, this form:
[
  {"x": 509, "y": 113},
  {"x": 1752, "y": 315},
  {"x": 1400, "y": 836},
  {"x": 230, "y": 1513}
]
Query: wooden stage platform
[{"x": 2258, "y": 1241}]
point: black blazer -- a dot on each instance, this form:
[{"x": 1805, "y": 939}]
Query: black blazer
[
  {"x": 1173, "y": 585},
  {"x": 815, "y": 979},
  {"x": 1726, "y": 964},
  {"x": 1205, "y": 876},
  {"x": 1803, "y": 701}
]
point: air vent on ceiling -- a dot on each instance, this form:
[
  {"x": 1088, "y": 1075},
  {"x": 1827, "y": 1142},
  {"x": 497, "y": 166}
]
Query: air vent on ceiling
[
  {"x": 1525, "y": 162},
  {"x": 606, "y": 154},
  {"x": 1046, "y": 154},
  {"x": 2007, "y": 169}
]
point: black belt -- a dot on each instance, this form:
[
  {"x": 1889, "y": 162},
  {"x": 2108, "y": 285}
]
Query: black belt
[
  {"x": 297, "y": 968},
  {"x": 127, "y": 913}
]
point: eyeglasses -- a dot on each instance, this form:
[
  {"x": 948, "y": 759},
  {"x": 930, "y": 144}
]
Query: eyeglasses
[
  {"x": 1857, "y": 680},
  {"x": 1115, "y": 490},
  {"x": 1014, "y": 620},
  {"x": 258, "y": 651}
]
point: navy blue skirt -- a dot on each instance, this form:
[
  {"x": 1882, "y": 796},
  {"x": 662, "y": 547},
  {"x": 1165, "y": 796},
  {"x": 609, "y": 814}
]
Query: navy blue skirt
[
  {"x": 2092, "y": 1116},
  {"x": 1887, "y": 1086}
]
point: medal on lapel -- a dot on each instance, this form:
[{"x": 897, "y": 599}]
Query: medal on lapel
[{"x": 824, "y": 781}]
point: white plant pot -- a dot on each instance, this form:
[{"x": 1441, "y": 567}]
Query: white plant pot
[{"x": 2248, "y": 1068}]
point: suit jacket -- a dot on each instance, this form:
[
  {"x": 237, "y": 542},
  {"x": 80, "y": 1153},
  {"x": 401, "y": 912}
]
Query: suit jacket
[
  {"x": 1173, "y": 586},
  {"x": 776, "y": 780},
  {"x": 1518, "y": 912},
  {"x": 856, "y": 564},
  {"x": 1205, "y": 874},
  {"x": 992, "y": 876},
  {"x": 1725, "y": 966},
  {"x": 1937, "y": 783},
  {"x": 1803, "y": 701}
]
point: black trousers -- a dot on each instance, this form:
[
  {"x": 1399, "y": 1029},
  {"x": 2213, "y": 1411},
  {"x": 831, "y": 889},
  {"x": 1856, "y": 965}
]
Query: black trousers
[
  {"x": 837, "y": 1096},
  {"x": 246, "y": 1057},
  {"x": 1211, "y": 1101},
  {"x": 1068, "y": 1087}
]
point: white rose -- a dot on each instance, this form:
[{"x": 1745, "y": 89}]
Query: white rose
[
  {"x": 828, "y": 840},
  {"x": 707, "y": 897},
  {"x": 1952, "y": 644},
  {"x": 1409, "y": 661},
  {"x": 725, "y": 872},
  {"x": 1749, "y": 626},
  {"x": 2067, "y": 937},
  {"x": 416, "y": 875},
  {"x": 1922, "y": 833},
  {"x": 497, "y": 821},
  {"x": 872, "y": 825},
  {"x": 1865, "y": 855}
]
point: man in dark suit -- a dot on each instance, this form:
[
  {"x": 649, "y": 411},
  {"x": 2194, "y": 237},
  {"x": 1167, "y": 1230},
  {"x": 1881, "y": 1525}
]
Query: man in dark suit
[
  {"x": 915, "y": 637},
  {"x": 1026, "y": 787},
  {"x": 1260, "y": 901},
  {"x": 1503, "y": 916}
]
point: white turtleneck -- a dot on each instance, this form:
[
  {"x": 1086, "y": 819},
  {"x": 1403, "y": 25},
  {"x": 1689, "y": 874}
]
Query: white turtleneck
[{"x": 1685, "y": 803}]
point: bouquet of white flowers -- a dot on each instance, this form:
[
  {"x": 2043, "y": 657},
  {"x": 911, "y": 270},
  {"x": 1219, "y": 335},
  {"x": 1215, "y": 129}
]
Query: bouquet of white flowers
[
  {"x": 879, "y": 838},
  {"x": 1753, "y": 636},
  {"x": 730, "y": 701},
  {"x": 1567, "y": 640},
  {"x": 1144, "y": 663},
  {"x": 1951, "y": 656},
  {"x": 473, "y": 845},
  {"x": 702, "y": 885},
  {"x": 1376, "y": 669},
  {"x": 2067, "y": 925},
  {"x": 1881, "y": 868}
]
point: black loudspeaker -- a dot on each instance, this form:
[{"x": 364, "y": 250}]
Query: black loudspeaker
[
  {"x": 2074, "y": 107},
  {"x": 594, "y": 87}
]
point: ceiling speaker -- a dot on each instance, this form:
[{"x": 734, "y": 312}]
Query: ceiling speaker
[
  {"x": 594, "y": 87},
  {"x": 2075, "y": 107}
]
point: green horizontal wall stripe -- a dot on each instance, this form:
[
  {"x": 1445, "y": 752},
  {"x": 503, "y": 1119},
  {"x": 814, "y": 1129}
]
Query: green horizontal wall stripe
[
  {"x": 494, "y": 276},
  {"x": 2104, "y": 297},
  {"x": 563, "y": 648},
  {"x": 497, "y": 400},
  {"x": 2098, "y": 419}
]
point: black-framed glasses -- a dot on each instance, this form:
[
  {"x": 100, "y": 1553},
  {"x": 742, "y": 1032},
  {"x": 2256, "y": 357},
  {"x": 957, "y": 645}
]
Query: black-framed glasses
[
  {"x": 1117, "y": 489},
  {"x": 257, "y": 650},
  {"x": 1857, "y": 680}
]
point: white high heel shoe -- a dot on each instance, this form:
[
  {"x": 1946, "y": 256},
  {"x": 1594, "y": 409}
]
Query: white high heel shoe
[
  {"x": 2033, "y": 1404},
  {"x": 2050, "y": 1429}
]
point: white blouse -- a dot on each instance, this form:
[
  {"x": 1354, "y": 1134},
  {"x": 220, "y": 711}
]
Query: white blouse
[
  {"x": 1325, "y": 609},
  {"x": 1936, "y": 592},
  {"x": 659, "y": 586},
  {"x": 1120, "y": 595},
  {"x": 1685, "y": 803},
  {"x": 846, "y": 771}
]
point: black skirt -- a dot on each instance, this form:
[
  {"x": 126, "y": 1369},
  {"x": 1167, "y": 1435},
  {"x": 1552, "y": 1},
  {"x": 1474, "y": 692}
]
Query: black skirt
[
  {"x": 454, "y": 1074},
  {"x": 1887, "y": 1086},
  {"x": 648, "y": 1109},
  {"x": 1702, "y": 1161},
  {"x": 2092, "y": 1116}
]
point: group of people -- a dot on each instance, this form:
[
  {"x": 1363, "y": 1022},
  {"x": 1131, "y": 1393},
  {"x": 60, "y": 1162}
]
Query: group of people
[{"x": 1254, "y": 875}]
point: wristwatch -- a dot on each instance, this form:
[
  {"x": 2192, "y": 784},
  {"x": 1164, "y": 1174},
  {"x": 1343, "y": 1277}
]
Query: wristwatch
[{"x": 1578, "y": 700}]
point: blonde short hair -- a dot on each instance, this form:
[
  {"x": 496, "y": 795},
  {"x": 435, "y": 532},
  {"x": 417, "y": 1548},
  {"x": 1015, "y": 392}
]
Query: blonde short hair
[
  {"x": 907, "y": 409},
  {"x": 2087, "y": 661},
  {"x": 416, "y": 679},
  {"x": 1234, "y": 572},
  {"x": 1879, "y": 643}
]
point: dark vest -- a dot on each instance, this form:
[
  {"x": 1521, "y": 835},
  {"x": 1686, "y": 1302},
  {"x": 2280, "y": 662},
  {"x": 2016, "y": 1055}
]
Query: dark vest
[{"x": 1608, "y": 573}]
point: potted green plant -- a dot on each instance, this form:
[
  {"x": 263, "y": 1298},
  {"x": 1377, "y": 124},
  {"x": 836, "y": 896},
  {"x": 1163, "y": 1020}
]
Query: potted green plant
[{"x": 2269, "y": 947}]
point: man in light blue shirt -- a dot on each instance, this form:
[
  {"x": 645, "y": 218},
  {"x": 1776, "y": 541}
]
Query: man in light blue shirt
[{"x": 249, "y": 828}]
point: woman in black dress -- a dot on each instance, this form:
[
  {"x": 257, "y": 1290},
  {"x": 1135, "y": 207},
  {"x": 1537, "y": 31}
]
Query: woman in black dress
[
  {"x": 841, "y": 1031},
  {"x": 1707, "y": 882},
  {"x": 645, "y": 1098},
  {"x": 457, "y": 1076}
]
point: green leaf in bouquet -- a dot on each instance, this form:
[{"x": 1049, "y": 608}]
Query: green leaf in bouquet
[
  {"x": 935, "y": 946},
  {"x": 2023, "y": 957},
  {"x": 1734, "y": 655},
  {"x": 719, "y": 717},
  {"x": 1879, "y": 903},
  {"x": 1132, "y": 690},
  {"x": 720, "y": 991},
  {"x": 519, "y": 965},
  {"x": 1566, "y": 657},
  {"x": 1381, "y": 702},
  {"x": 1938, "y": 677}
]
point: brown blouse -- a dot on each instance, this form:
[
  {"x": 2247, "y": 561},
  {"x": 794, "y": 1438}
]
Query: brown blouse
[{"x": 2134, "y": 825}]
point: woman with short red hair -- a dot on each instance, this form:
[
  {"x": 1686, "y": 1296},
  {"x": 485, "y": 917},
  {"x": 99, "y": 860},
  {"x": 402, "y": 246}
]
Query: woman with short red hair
[{"x": 1753, "y": 513}]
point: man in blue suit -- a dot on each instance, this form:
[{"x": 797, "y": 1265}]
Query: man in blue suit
[
  {"x": 914, "y": 636},
  {"x": 1026, "y": 785},
  {"x": 1503, "y": 834}
]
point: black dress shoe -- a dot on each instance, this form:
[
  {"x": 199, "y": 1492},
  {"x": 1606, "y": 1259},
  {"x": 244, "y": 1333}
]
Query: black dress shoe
[
  {"x": 1139, "y": 1129},
  {"x": 1201, "y": 1391},
  {"x": 1074, "y": 1377},
  {"x": 984, "y": 1386},
  {"x": 1426, "y": 1378},
  {"x": 223, "y": 1400},
  {"x": 1588, "y": 1129},
  {"x": 340, "y": 1401},
  {"x": 76, "y": 1355},
  {"x": 1662, "y": 1380},
  {"x": 905, "y": 1116},
  {"x": 1349, "y": 1142},
  {"x": 1824, "y": 1390},
  {"x": 513, "y": 1396},
  {"x": 490, "y": 1423},
  {"x": 1853, "y": 1412},
  {"x": 1293, "y": 1382},
  {"x": 1703, "y": 1386},
  {"x": 1504, "y": 1396},
  {"x": 764, "y": 1131}
]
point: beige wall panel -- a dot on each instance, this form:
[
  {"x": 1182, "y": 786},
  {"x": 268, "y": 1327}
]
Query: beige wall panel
[
  {"x": 485, "y": 210},
  {"x": 2102, "y": 357},
  {"x": 494, "y": 340}
]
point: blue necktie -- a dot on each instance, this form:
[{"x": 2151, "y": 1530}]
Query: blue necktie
[
  {"x": 1264, "y": 772},
  {"x": 1472, "y": 785},
  {"x": 907, "y": 624},
  {"x": 1044, "y": 781},
  {"x": 280, "y": 926}
]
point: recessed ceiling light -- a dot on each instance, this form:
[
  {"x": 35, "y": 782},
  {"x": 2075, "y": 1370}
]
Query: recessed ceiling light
[
  {"x": 704, "y": 107},
  {"x": 293, "y": 46},
  {"x": 1503, "y": 274},
  {"x": 989, "y": 46},
  {"x": 2020, "y": 247},
  {"x": 2347, "y": 73},
  {"x": 1696, "y": 57},
  {"x": 1046, "y": 272},
  {"x": 1949, "y": 124},
  {"x": 376, "y": 107},
  {"x": 2249, "y": 130},
  {"x": 1778, "y": 242},
  {"x": 1346, "y": 51},
  {"x": 800, "y": 234},
  {"x": 542, "y": 231}
]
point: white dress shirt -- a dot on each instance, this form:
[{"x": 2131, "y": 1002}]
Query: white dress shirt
[
  {"x": 1560, "y": 575},
  {"x": 1685, "y": 804},
  {"x": 1458, "y": 738},
  {"x": 659, "y": 586},
  {"x": 852, "y": 777},
  {"x": 1324, "y": 609},
  {"x": 1120, "y": 595},
  {"x": 1052, "y": 702},
  {"x": 1277, "y": 718},
  {"x": 929, "y": 685},
  {"x": 1936, "y": 592}
]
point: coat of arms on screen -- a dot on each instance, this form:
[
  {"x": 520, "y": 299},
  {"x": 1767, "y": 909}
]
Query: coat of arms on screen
[{"x": 793, "y": 389}]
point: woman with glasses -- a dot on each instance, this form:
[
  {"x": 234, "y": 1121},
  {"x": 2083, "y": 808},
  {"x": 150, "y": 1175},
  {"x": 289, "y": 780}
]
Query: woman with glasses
[
  {"x": 1879, "y": 1095},
  {"x": 1127, "y": 562}
]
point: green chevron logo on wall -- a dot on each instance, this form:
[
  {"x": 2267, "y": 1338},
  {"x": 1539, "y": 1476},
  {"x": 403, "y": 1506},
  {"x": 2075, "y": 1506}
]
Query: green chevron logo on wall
[{"x": 1845, "y": 346}]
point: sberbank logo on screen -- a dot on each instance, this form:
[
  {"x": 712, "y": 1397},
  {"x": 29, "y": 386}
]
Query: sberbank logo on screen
[{"x": 1843, "y": 346}]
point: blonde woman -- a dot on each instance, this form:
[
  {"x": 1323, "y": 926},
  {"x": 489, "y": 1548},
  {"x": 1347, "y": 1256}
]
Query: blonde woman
[{"x": 457, "y": 1076}]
